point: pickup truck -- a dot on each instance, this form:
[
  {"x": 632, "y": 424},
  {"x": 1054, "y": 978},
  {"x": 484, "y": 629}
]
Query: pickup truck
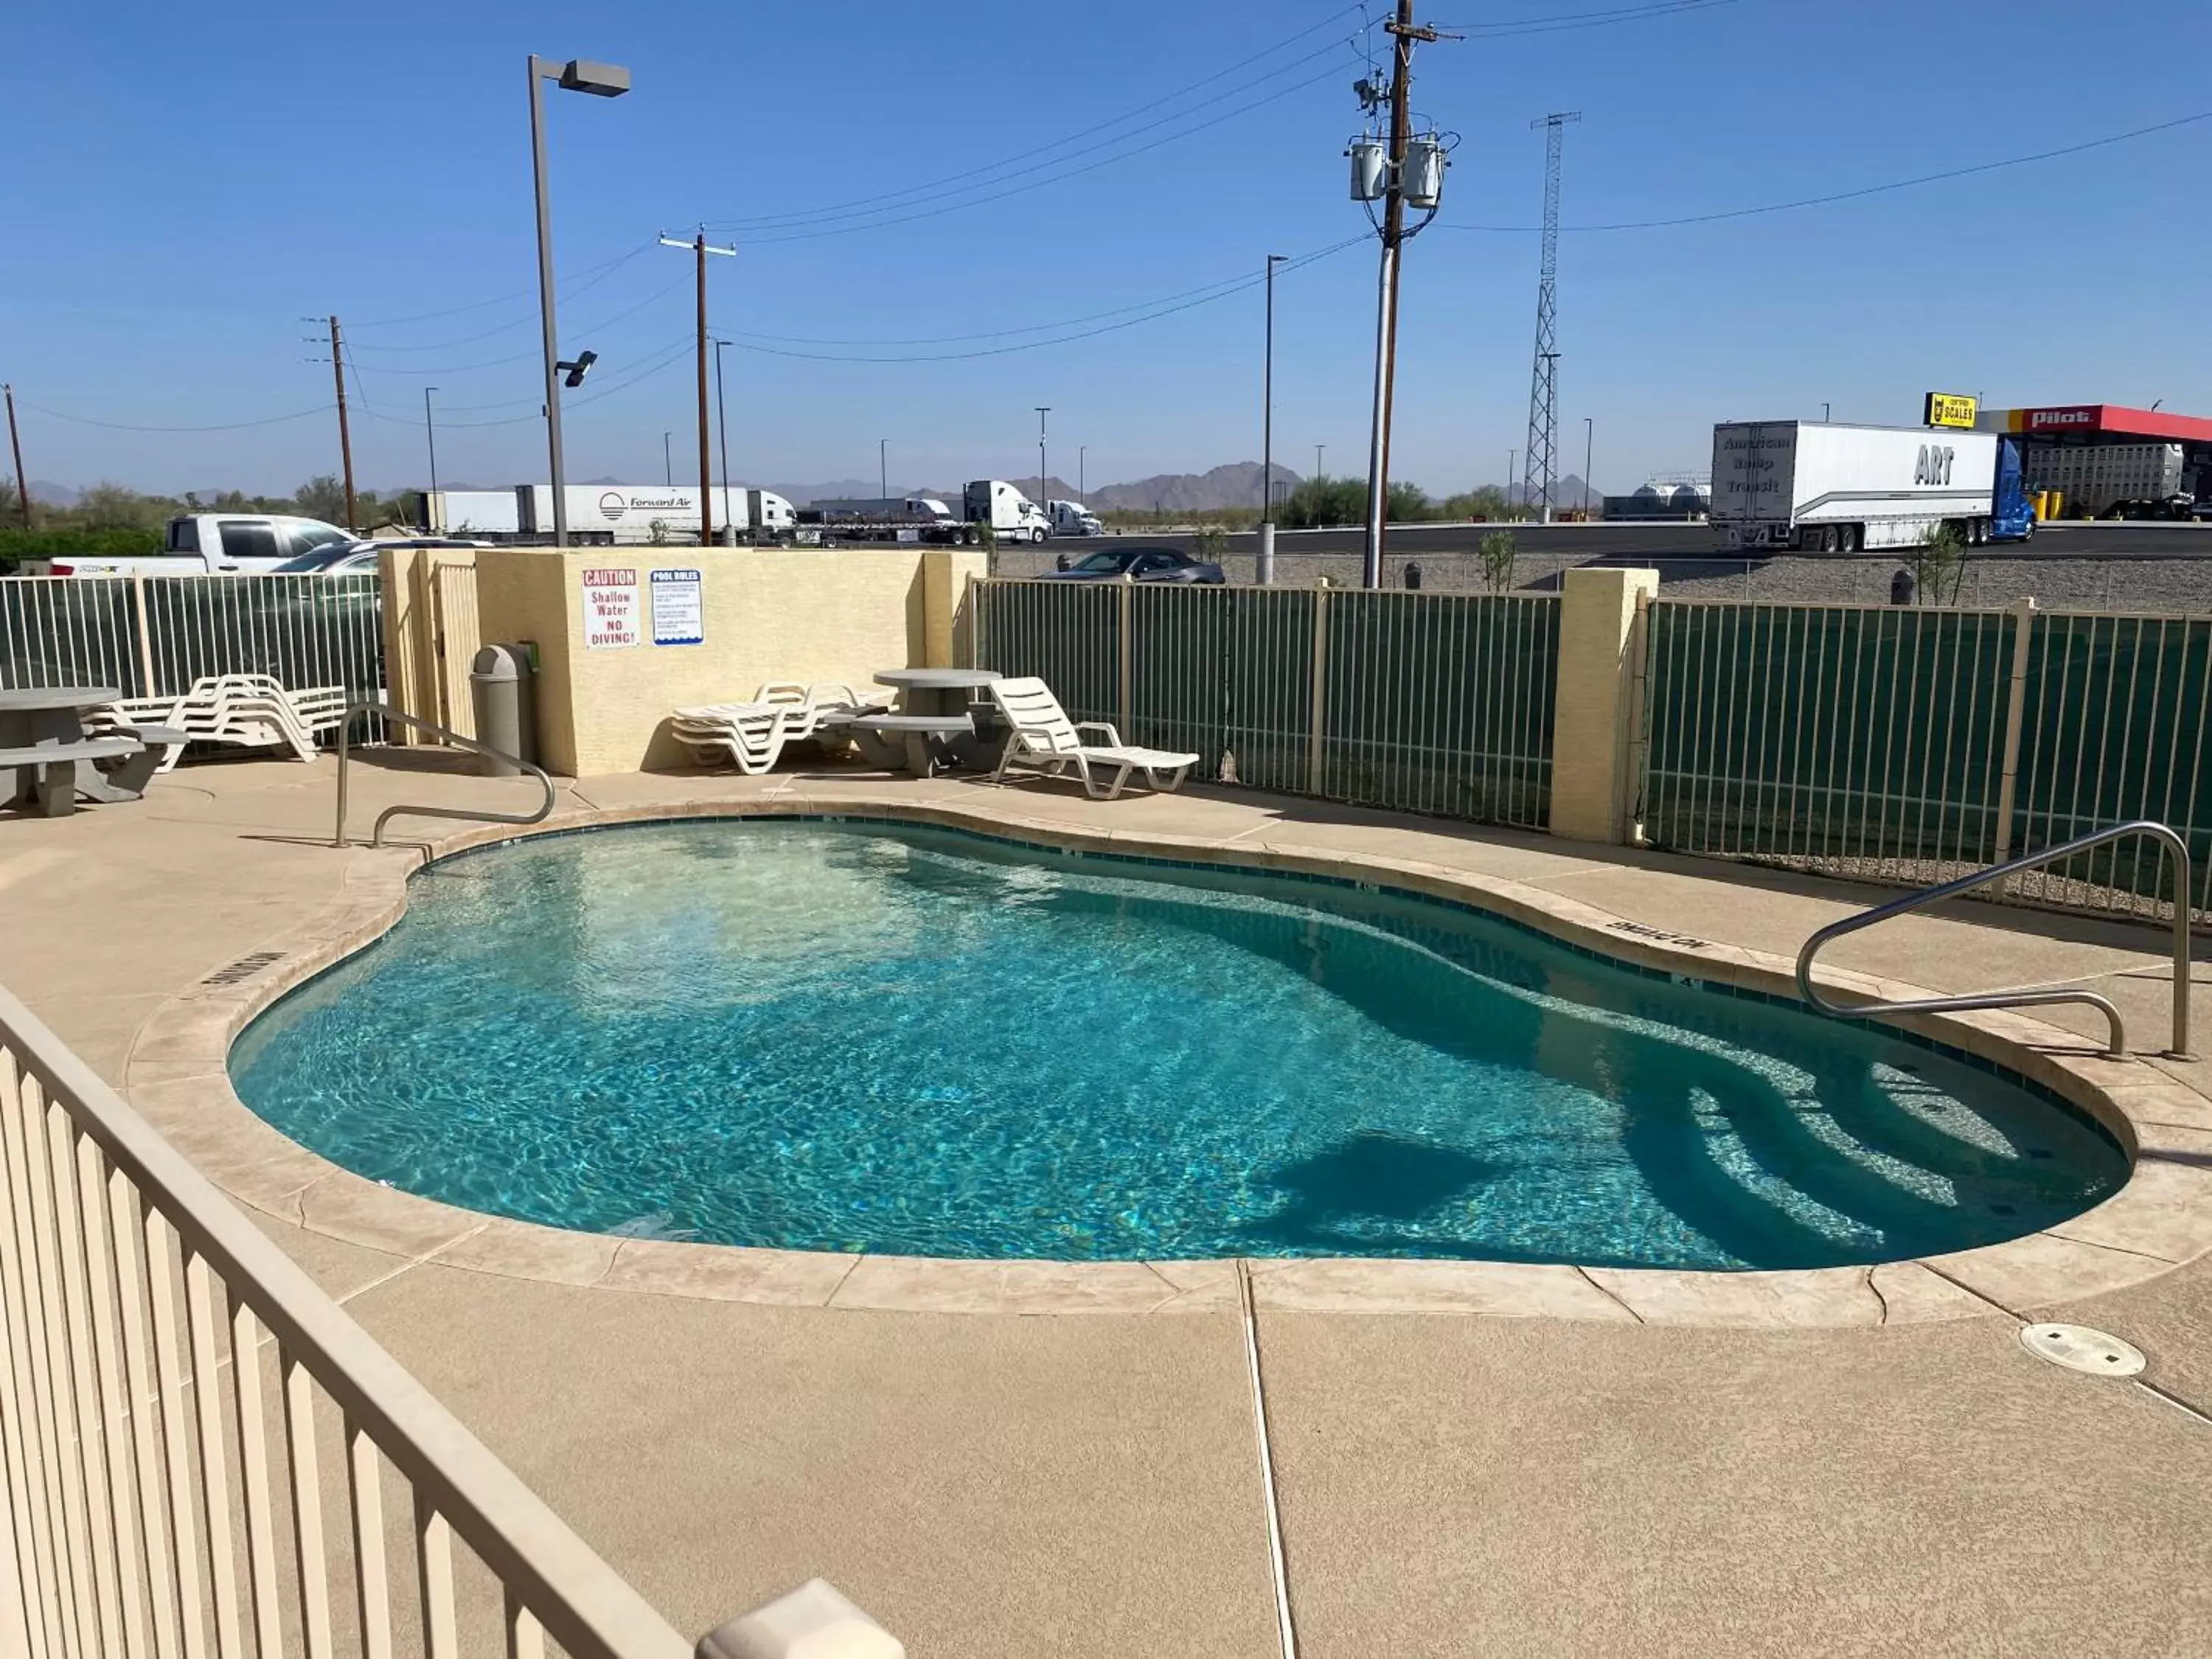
[{"x": 244, "y": 544}]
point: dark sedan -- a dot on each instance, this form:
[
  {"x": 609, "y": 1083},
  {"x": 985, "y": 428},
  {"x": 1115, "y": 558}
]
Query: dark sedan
[{"x": 1144, "y": 564}]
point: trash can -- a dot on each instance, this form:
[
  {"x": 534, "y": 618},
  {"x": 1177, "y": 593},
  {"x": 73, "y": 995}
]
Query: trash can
[
  {"x": 1413, "y": 576},
  {"x": 500, "y": 688},
  {"x": 1900, "y": 587}
]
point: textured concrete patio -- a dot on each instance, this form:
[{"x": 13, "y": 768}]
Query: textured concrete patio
[{"x": 992, "y": 1484}]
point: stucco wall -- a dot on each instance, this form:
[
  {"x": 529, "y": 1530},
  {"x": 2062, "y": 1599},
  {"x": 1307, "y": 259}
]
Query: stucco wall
[{"x": 781, "y": 614}]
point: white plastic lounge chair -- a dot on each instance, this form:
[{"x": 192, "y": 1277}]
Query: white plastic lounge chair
[
  {"x": 1045, "y": 738},
  {"x": 752, "y": 735},
  {"x": 249, "y": 710}
]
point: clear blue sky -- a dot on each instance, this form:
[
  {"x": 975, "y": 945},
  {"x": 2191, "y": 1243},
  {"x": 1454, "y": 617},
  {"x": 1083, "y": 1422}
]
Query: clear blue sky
[{"x": 184, "y": 184}]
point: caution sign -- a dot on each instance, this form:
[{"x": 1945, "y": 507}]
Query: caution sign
[
  {"x": 1949, "y": 409},
  {"x": 612, "y": 616}
]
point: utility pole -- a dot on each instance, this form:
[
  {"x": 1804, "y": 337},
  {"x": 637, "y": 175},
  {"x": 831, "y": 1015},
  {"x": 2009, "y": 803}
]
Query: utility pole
[
  {"x": 1042, "y": 409},
  {"x": 16, "y": 443},
  {"x": 1318, "y": 448},
  {"x": 722, "y": 436},
  {"x": 345, "y": 435},
  {"x": 1590, "y": 442},
  {"x": 1081, "y": 454},
  {"x": 883, "y": 467},
  {"x": 1403, "y": 33},
  {"x": 1267, "y": 561},
  {"x": 430, "y": 436},
  {"x": 699, "y": 250},
  {"x": 667, "y": 464},
  {"x": 1543, "y": 381}
]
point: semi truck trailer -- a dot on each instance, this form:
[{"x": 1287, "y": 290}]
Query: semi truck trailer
[{"x": 1827, "y": 487}]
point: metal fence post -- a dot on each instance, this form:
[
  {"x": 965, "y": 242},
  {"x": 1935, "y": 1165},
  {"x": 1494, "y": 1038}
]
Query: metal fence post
[
  {"x": 2023, "y": 612},
  {"x": 1319, "y": 701},
  {"x": 146, "y": 686},
  {"x": 1638, "y": 757},
  {"x": 1128, "y": 658}
]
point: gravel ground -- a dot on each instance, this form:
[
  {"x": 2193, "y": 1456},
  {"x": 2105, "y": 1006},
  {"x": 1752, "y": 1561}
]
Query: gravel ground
[{"x": 2167, "y": 586}]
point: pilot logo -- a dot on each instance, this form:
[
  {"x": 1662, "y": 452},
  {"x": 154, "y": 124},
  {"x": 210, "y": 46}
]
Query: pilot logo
[
  {"x": 2043, "y": 420},
  {"x": 612, "y": 506},
  {"x": 1934, "y": 467}
]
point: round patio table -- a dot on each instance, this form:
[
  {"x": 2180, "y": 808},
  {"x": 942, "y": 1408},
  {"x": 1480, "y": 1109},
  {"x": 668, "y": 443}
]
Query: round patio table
[{"x": 946, "y": 694}]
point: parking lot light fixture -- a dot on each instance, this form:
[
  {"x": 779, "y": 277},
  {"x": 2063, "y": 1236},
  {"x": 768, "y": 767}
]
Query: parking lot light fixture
[{"x": 602, "y": 80}]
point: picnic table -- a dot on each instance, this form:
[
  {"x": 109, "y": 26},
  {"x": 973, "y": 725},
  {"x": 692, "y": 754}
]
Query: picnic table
[
  {"x": 938, "y": 721},
  {"x": 43, "y": 741}
]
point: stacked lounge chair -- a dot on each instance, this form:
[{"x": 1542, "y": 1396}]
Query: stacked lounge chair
[
  {"x": 752, "y": 735},
  {"x": 248, "y": 710}
]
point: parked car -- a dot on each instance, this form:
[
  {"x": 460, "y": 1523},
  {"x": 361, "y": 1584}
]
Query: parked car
[
  {"x": 1144, "y": 564},
  {"x": 337, "y": 559}
]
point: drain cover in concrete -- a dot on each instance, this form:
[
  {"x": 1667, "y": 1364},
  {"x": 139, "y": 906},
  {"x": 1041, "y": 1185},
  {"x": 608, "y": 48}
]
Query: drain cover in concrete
[{"x": 2081, "y": 1349}]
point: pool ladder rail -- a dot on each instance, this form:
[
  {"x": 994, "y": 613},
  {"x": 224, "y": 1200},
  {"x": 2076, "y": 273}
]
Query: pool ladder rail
[
  {"x": 2183, "y": 891},
  {"x": 385, "y": 711}
]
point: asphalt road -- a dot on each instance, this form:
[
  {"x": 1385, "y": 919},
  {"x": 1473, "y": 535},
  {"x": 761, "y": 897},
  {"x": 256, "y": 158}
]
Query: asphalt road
[{"x": 2156, "y": 541}]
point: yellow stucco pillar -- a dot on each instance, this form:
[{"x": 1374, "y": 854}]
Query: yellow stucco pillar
[{"x": 1593, "y": 789}]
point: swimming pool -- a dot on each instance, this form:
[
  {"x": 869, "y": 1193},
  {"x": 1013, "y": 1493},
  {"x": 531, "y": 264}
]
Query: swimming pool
[{"x": 842, "y": 1036}]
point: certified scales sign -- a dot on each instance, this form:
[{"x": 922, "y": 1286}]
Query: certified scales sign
[
  {"x": 679, "y": 614},
  {"x": 1949, "y": 409},
  {"x": 611, "y": 611}
]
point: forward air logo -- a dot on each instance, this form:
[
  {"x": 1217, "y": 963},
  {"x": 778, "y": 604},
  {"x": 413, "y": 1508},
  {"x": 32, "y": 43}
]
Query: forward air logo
[
  {"x": 612, "y": 506},
  {"x": 1934, "y": 467}
]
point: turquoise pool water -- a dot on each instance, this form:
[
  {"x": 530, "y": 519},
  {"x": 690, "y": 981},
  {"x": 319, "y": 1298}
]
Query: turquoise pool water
[{"x": 846, "y": 1037}]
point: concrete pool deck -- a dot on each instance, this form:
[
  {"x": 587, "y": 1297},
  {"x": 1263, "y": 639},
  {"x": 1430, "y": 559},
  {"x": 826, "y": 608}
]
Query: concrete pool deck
[{"x": 987, "y": 1483}]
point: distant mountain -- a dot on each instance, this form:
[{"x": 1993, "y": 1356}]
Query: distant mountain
[
  {"x": 1236, "y": 484},
  {"x": 53, "y": 495}
]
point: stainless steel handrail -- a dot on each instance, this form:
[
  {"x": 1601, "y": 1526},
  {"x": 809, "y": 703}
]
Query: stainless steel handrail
[
  {"x": 2183, "y": 888},
  {"x": 376, "y": 834}
]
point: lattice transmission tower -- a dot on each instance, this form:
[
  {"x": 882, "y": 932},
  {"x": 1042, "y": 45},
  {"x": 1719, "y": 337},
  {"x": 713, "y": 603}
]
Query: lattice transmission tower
[{"x": 1540, "y": 468}]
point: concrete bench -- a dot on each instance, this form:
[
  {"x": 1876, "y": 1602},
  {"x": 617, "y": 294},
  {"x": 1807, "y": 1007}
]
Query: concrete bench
[
  {"x": 48, "y": 773},
  {"x": 912, "y": 743}
]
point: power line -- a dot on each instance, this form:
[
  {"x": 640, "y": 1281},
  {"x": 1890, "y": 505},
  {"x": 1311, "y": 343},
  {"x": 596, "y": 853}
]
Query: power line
[
  {"x": 582, "y": 281},
  {"x": 888, "y": 198},
  {"x": 1207, "y": 298},
  {"x": 1866, "y": 189},
  {"x": 524, "y": 356},
  {"x": 1505, "y": 28},
  {"x": 1040, "y": 184},
  {"x": 228, "y": 425}
]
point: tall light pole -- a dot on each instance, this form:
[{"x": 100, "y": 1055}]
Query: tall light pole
[
  {"x": 883, "y": 467},
  {"x": 722, "y": 437},
  {"x": 667, "y": 461},
  {"x": 1824, "y": 411},
  {"x": 1042, "y": 409},
  {"x": 1512, "y": 479},
  {"x": 602, "y": 80},
  {"x": 430, "y": 436},
  {"x": 1267, "y": 570},
  {"x": 1590, "y": 442},
  {"x": 1318, "y": 448},
  {"x": 1082, "y": 453}
]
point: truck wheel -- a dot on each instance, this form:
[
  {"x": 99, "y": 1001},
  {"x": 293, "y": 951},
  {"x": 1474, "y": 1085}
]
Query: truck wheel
[
  {"x": 967, "y": 537},
  {"x": 1038, "y": 537},
  {"x": 1831, "y": 538}
]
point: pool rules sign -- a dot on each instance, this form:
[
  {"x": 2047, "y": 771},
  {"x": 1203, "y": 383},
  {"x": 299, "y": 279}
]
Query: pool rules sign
[
  {"x": 679, "y": 612},
  {"x": 612, "y": 615}
]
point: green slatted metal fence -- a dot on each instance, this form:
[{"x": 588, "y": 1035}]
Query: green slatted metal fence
[
  {"x": 1426, "y": 702},
  {"x": 1909, "y": 746}
]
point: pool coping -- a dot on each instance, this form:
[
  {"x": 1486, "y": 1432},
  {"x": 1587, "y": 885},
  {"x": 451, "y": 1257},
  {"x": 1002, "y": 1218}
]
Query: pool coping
[{"x": 177, "y": 1075}]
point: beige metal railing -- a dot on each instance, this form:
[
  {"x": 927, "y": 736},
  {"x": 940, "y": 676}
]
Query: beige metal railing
[
  {"x": 381, "y": 711},
  {"x": 152, "y": 1507}
]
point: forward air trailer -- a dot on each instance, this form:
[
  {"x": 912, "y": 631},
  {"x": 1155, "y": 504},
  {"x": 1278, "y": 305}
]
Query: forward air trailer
[{"x": 1825, "y": 487}]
